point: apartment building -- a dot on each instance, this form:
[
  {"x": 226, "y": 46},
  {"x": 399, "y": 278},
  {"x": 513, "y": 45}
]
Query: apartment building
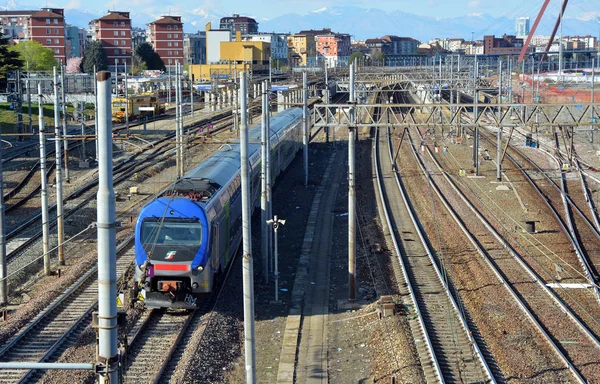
[
  {"x": 166, "y": 36},
  {"x": 46, "y": 26},
  {"x": 114, "y": 32}
]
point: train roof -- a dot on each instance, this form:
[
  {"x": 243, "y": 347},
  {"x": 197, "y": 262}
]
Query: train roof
[{"x": 207, "y": 178}]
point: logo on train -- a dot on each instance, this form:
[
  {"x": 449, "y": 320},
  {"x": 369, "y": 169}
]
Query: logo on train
[{"x": 170, "y": 255}]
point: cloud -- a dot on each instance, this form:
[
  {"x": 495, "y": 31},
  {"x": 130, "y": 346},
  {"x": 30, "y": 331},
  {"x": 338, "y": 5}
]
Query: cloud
[
  {"x": 477, "y": 14},
  {"x": 474, "y": 3},
  {"x": 320, "y": 10},
  {"x": 199, "y": 12},
  {"x": 586, "y": 16}
]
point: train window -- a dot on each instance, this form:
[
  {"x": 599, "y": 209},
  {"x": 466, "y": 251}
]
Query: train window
[{"x": 168, "y": 232}]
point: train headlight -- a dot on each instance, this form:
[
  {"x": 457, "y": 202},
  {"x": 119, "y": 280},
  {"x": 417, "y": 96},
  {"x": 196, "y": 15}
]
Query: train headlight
[{"x": 199, "y": 269}]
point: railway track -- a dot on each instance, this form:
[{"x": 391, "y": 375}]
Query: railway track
[
  {"x": 159, "y": 337},
  {"x": 448, "y": 351},
  {"x": 579, "y": 230},
  {"x": 570, "y": 339},
  {"x": 59, "y": 325},
  {"x": 152, "y": 343}
]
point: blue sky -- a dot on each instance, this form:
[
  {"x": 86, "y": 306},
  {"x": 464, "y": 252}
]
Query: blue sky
[{"x": 268, "y": 9}]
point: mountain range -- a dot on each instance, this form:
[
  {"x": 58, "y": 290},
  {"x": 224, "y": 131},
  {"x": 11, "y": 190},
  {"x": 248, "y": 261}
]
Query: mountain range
[{"x": 361, "y": 23}]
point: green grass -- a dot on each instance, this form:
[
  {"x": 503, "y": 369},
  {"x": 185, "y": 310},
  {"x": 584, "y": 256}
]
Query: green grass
[{"x": 8, "y": 117}]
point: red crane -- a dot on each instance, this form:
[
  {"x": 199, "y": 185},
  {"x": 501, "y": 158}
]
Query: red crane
[{"x": 535, "y": 25}]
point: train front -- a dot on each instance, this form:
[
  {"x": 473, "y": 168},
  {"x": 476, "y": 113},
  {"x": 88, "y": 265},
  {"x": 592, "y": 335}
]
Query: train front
[{"x": 172, "y": 253}]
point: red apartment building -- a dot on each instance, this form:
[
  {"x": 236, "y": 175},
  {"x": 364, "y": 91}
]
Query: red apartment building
[
  {"x": 166, "y": 36},
  {"x": 331, "y": 44},
  {"x": 114, "y": 31},
  {"x": 46, "y": 26}
]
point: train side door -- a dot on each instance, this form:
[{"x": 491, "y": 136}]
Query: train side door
[{"x": 215, "y": 247}]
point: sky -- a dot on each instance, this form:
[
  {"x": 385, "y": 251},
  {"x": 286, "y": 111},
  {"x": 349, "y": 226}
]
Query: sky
[{"x": 268, "y": 9}]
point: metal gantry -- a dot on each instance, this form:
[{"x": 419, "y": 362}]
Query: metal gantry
[{"x": 445, "y": 115}]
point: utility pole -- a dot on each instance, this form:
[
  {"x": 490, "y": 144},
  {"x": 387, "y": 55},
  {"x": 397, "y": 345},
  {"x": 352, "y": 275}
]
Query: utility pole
[
  {"x": 191, "y": 97},
  {"x": 64, "y": 114},
  {"x": 268, "y": 179},
  {"x": 43, "y": 187},
  {"x": 181, "y": 118},
  {"x": 107, "y": 242},
  {"x": 247, "y": 262},
  {"x": 3, "y": 261},
  {"x": 351, "y": 194},
  {"x": 499, "y": 144},
  {"x": 305, "y": 123},
  {"x": 275, "y": 222},
  {"x": 264, "y": 230},
  {"x": 29, "y": 104},
  {"x": 177, "y": 135},
  {"x": 126, "y": 102},
  {"x": 593, "y": 100},
  {"x": 96, "y": 113},
  {"x": 19, "y": 90},
  {"x": 475, "y": 120},
  {"x": 169, "y": 85},
  {"x": 58, "y": 174}
]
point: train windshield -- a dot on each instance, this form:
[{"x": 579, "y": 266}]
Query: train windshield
[{"x": 171, "y": 232}]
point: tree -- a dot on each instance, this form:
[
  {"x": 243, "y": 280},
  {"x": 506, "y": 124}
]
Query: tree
[
  {"x": 354, "y": 56},
  {"x": 9, "y": 60},
  {"x": 146, "y": 54},
  {"x": 378, "y": 58},
  {"x": 137, "y": 66},
  {"x": 74, "y": 65},
  {"x": 35, "y": 56},
  {"x": 94, "y": 55}
]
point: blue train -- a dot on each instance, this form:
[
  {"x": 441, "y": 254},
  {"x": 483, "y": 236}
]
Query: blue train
[{"x": 191, "y": 232}]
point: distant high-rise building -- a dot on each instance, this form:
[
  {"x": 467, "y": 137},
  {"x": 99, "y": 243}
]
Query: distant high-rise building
[
  {"x": 522, "y": 27},
  {"x": 235, "y": 23},
  {"x": 138, "y": 36},
  {"x": 194, "y": 48}
]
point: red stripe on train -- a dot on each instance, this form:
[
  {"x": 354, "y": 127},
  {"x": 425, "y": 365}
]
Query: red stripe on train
[{"x": 171, "y": 267}]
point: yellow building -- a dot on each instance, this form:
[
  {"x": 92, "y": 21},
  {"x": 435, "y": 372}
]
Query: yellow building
[
  {"x": 304, "y": 48},
  {"x": 235, "y": 56}
]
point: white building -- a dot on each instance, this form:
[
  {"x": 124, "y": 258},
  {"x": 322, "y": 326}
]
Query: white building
[
  {"x": 278, "y": 41},
  {"x": 214, "y": 37},
  {"x": 522, "y": 27}
]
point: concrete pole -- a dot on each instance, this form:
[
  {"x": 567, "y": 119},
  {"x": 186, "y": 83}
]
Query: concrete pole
[
  {"x": 59, "y": 192},
  {"x": 593, "y": 100},
  {"x": 107, "y": 241},
  {"x": 96, "y": 112},
  {"x": 475, "y": 117},
  {"x": 126, "y": 103},
  {"x": 269, "y": 181},
  {"x": 169, "y": 84},
  {"x": 181, "y": 119},
  {"x": 499, "y": 144},
  {"x": 177, "y": 133},
  {"x": 264, "y": 227},
  {"x": 64, "y": 121},
  {"x": 3, "y": 261},
  {"x": 305, "y": 124},
  {"x": 44, "y": 186},
  {"x": 191, "y": 98},
  {"x": 351, "y": 196},
  {"x": 247, "y": 262}
]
